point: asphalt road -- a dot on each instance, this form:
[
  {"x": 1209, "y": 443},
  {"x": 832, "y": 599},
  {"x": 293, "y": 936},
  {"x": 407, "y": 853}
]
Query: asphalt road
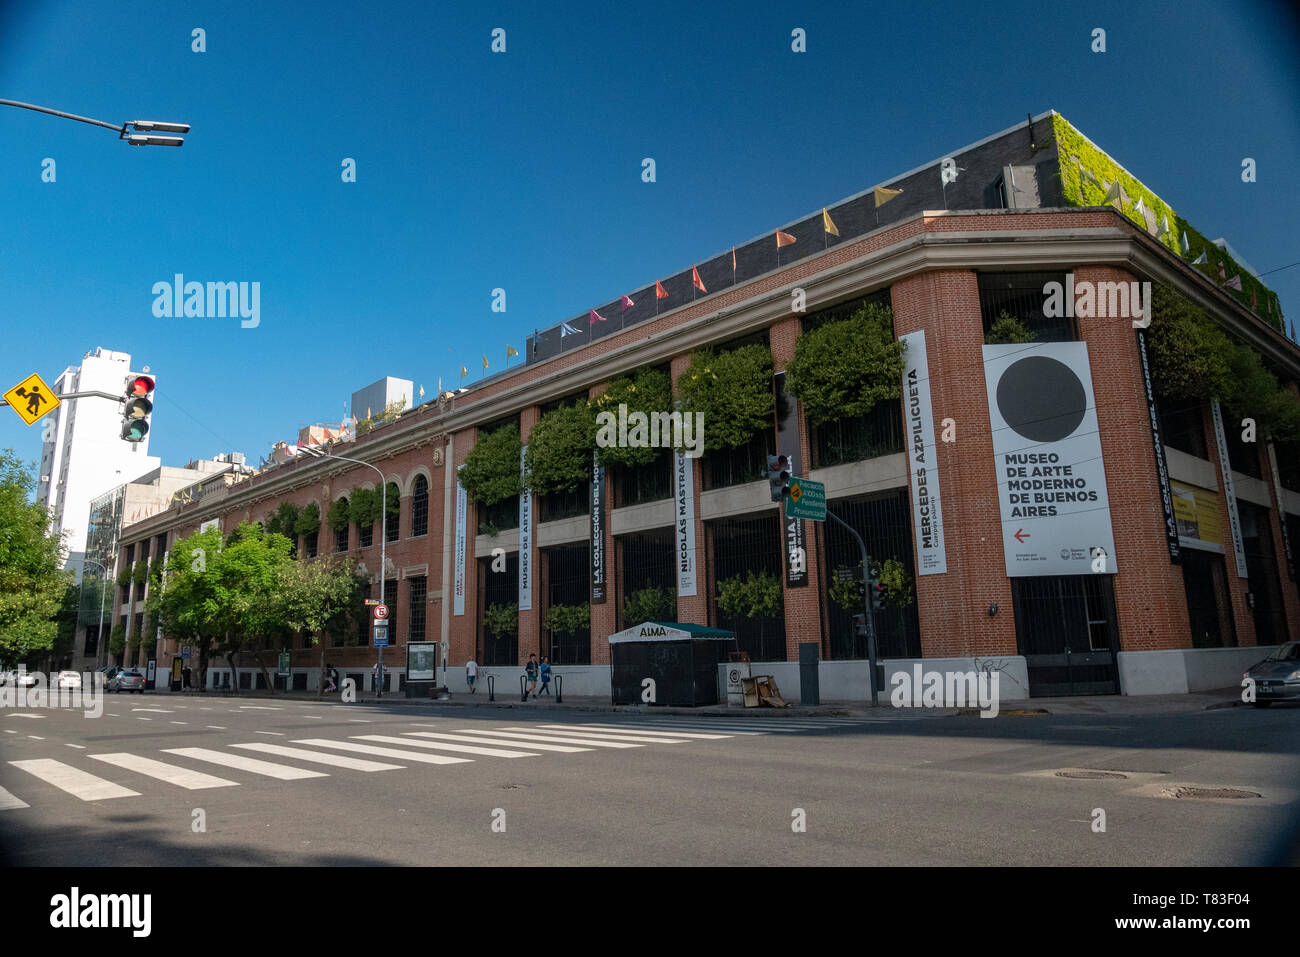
[{"x": 127, "y": 789}]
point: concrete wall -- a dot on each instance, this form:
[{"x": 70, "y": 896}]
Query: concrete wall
[{"x": 1187, "y": 669}]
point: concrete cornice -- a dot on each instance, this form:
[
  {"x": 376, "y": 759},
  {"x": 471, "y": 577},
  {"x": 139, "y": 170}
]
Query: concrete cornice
[{"x": 1122, "y": 245}]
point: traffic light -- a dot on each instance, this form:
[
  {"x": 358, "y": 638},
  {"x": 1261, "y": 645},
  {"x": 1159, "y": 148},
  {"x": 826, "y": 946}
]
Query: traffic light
[
  {"x": 137, "y": 408},
  {"x": 778, "y": 476},
  {"x": 875, "y": 589}
]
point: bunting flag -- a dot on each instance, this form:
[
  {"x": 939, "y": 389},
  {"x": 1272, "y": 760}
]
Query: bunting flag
[
  {"x": 1222, "y": 272},
  {"x": 784, "y": 239},
  {"x": 828, "y": 224},
  {"x": 733, "y": 261},
  {"x": 1115, "y": 194},
  {"x": 463, "y": 372},
  {"x": 626, "y": 304},
  {"x": 1254, "y": 302},
  {"x": 695, "y": 278},
  {"x": 567, "y": 330},
  {"x": 1139, "y": 208},
  {"x": 510, "y": 351},
  {"x": 421, "y": 390},
  {"x": 368, "y": 412},
  {"x": 1163, "y": 228},
  {"x": 1187, "y": 247},
  {"x": 1201, "y": 260},
  {"x": 439, "y": 385},
  {"x": 883, "y": 195},
  {"x": 485, "y": 362},
  {"x": 660, "y": 291},
  {"x": 1234, "y": 283},
  {"x": 596, "y": 317}
]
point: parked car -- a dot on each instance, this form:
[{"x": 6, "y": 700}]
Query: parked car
[
  {"x": 69, "y": 679},
  {"x": 1277, "y": 677},
  {"x": 126, "y": 680},
  {"x": 25, "y": 679}
]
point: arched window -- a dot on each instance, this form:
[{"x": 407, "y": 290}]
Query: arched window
[
  {"x": 393, "y": 520},
  {"x": 420, "y": 507}
]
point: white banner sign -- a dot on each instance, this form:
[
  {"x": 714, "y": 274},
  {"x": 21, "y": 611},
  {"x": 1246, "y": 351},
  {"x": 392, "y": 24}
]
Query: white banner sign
[
  {"x": 458, "y": 587},
  {"x": 1051, "y": 480},
  {"x": 525, "y": 540},
  {"x": 1229, "y": 489},
  {"x": 927, "y": 516},
  {"x": 685, "y": 526}
]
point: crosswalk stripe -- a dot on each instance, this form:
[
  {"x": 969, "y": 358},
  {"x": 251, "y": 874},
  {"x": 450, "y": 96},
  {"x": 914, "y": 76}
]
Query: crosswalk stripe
[
  {"x": 602, "y": 736},
  {"x": 561, "y": 748},
  {"x": 8, "y": 802},
  {"x": 508, "y": 733},
  {"x": 692, "y": 727},
  {"x": 418, "y": 756},
  {"x": 240, "y": 763},
  {"x": 444, "y": 746},
  {"x": 610, "y": 729},
  {"x": 74, "y": 781},
  {"x": 181, "y": 777},
  {"x": 332, "y": 760}
]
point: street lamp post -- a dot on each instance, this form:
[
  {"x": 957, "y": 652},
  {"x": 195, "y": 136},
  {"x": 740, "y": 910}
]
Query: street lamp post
[
  {"x": 143, "y": 128},
  {"x": 99, "y": 634},
  {"x": 383, "y": 531}
]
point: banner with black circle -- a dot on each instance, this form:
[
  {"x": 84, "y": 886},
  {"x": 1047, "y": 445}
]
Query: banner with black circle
[{"x": 1047, "y": 448}]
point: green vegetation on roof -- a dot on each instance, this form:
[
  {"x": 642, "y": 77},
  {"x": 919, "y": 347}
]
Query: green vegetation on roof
[{"x": 1087, "y": 173}]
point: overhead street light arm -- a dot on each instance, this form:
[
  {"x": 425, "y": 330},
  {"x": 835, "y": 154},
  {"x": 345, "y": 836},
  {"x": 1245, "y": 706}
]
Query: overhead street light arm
[{"x": 135, "y": 139}]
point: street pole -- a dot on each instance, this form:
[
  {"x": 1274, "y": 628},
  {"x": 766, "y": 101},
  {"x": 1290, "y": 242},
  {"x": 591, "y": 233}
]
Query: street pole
[
  {"x": 99, "y": 635},
  {"x": 383, "y": 532},
  {"x": 866, "y": 603}
]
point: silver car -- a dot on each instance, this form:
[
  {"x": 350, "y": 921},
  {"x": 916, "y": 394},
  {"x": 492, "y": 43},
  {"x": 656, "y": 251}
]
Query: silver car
[
  {"x": 126, "y": 680},
  {"x": 1277, "y": 677}
]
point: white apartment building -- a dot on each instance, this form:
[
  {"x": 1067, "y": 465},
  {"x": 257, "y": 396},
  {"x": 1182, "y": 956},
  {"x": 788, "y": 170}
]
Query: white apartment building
[{"x": 83, "y": 456}]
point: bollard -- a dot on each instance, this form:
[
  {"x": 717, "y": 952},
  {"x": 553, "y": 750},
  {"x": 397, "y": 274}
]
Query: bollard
[
  {"x": 559, "y": 689},
  {"x": 492, "y": 694},
  {"x": 523, "y": 687}
]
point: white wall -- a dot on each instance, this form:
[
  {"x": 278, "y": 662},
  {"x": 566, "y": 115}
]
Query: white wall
[
  {"x": 850, "y": 680},
  {"x": 1183, "y": 670}
]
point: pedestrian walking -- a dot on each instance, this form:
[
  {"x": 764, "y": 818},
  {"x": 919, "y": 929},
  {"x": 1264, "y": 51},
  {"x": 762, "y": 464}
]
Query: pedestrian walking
[
  {"x": 330, "y": 684},
  {"x": 471, "y": 675},
  {"x": 377, "y": 679},
  {"x": 531, "y": 669},
  {"x": 546, "y": 676}
]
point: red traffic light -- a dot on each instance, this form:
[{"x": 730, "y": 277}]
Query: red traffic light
[{"x": 140, "y": 385}]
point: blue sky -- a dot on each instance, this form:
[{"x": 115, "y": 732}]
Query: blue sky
[{"x": 522, "y": 170}]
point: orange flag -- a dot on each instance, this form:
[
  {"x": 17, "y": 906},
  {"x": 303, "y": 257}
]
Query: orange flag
[
  {"x": 783, "y": 239},
  {"x": 733, "y": 258},
  {"x": 660, "y": 291},
  {"x": 695, "y": 278}
]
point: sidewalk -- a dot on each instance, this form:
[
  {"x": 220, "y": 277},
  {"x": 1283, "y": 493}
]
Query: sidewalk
[{"x": 1099, "y": 705}]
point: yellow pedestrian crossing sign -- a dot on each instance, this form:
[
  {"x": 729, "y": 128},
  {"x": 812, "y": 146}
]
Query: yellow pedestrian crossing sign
[{"x": 31, "y": 399}]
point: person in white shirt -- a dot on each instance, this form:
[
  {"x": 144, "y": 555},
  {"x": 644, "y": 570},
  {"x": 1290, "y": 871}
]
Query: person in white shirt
[{"x": 471, "y": 675}]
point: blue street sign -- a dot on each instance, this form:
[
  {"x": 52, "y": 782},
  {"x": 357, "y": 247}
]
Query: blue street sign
[{"x": 381, "y": 634}]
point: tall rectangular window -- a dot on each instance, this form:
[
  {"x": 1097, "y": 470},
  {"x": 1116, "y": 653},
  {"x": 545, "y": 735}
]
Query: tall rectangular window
[
  {"x": 420, "y": 507},
  {"x": 418, "y": 590}
]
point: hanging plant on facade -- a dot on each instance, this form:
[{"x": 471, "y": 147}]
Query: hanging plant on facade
[
  {"x": 733, "y": 391},
  {"x": 650, "y": 604},
  {"x": 558, "y": 457},
  {"x": 841, "y": 369},
  {"x": 502, "y": 620},
  {"x": 1007, "y": 329},
  {"x": 308, "y": 520},
  {"x": 900, "y": 590},
  {"x": 140, "y": 573},
  {"x": 363, "y": 507},
  {"x": 124, "y": 576},
  {"x": 117, "y": 640},
  {"x": 1187, "y": 350},
  {"x": 491, "y": 472},
  {"x": 338, "y": 516},
  {"x": 282, "y": 520},
  {"x": 752, "y": 595},
  {"x": 568, "y": 619},
  {"x": 648, "y": 391}
]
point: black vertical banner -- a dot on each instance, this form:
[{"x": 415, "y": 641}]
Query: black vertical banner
[
  {"x": 1162, "y": 469},
  {"x": 597, "y": 530},
  {"x": 787, "y": 443}
]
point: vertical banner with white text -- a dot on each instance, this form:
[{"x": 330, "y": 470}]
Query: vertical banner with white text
[
  {"x": 458, "y": 587},
  {"x": 525, "y": 538},
  {"x": 685, "y": 526},
  {"x": 927, "y": 515},
  {"x": 1229, "y": 490},
  {"x": 597, "y": 529}
]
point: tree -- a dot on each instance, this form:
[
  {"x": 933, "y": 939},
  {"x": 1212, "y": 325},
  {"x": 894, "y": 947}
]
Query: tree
[
  {"x": 733, "y": 391},
  {"x": 558, "y": 457},
  {"x": 249, "y": 573},
  {"x": 1007, "y": 329},
  {"x": 32, "y": 582},
  {"x": 187, "y": 605},
  {"x": 491, "y": 472},
  {"x": 322, "y": 597}
]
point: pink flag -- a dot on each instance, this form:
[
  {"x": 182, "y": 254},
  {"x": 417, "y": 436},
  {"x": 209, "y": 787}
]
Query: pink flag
[
  {"x": 1234, "y": 283},
  {"x": 596, "y": 317},
  {"x": 627, "y": 304}
]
